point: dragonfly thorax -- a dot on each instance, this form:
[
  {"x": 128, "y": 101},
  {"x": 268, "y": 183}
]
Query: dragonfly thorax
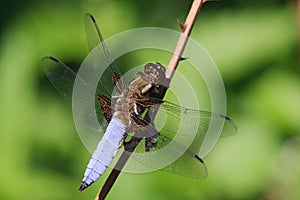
[
  {"x": 154, "y": 75},
  {"x": 141, "y": 84},
  {"x": 127, "y": 103}
]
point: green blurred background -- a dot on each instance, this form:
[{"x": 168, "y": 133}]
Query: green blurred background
[{"x": 254, "y": 44}]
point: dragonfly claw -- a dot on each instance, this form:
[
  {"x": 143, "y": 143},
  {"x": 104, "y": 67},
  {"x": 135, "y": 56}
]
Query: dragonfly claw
[{"x": 151, "y": 142}]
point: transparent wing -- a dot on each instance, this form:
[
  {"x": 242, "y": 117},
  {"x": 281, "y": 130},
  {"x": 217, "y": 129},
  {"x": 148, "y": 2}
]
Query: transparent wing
[
  {"x": 111, "y": 74},
  {"x": 186, "y": 136},
  {"x": 183, "y": 133},
  {"x": 63, "y": 78},
  {"x": 169, "y": 155},
  {"x": 165, "y": 154},
  {"x": 204, "y": 127}
]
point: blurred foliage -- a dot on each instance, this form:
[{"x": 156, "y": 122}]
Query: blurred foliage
[{"x": 255, "y": 45}]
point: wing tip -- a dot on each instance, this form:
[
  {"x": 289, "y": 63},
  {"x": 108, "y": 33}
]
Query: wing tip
[
  {"x": 89, "y": 15},
  {"x": 51, "y": 58},
  {"x": 232, "y": 123},
  {"x": 225, "y": 117},
  {"x": 54, "y": 59},
  {"x": 198, "y": 158}
]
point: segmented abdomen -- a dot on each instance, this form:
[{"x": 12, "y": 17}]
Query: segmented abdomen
[{"x": 105, "y": 151}]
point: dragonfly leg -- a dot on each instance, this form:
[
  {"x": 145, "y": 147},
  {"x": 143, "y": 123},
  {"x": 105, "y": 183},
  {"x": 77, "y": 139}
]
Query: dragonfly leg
[
  {"x": 151, "y": 142},
  {"x": 130, "y": 145}
]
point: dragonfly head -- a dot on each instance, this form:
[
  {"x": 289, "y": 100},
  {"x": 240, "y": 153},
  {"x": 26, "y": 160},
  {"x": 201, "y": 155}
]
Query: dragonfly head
[{"x": 157, "y": 71}]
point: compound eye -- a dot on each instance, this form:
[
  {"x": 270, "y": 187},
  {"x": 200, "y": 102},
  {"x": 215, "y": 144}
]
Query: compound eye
[
  {"x": 160, "y": 73},
  {"x": 156, "y": 71},
  {"x": 160, "y": 68},
  {"x": 149, "y": 68}
]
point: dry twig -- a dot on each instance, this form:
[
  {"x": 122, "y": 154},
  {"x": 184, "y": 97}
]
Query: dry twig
[{"x": 186, "y": 30}]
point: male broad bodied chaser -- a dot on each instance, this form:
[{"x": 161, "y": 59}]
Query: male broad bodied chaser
[{"x": 124, "y": 114}]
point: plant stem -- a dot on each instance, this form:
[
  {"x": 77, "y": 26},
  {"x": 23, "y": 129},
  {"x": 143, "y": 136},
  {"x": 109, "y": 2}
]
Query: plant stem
[{"x": 186, "y": 29}]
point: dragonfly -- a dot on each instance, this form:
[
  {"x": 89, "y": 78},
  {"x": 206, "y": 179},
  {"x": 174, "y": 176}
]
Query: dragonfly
[{"x": 121, "y": 111}]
